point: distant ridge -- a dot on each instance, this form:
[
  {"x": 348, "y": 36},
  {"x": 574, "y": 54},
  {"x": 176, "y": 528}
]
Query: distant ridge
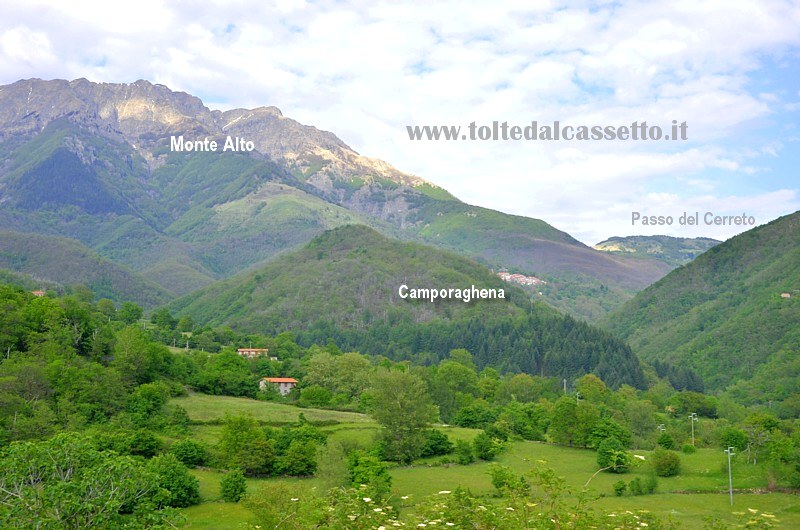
[
  {"x": 61, "y": 261},
  {"x": 675, "y": 251},
  {"x": 731, "y": 314}
]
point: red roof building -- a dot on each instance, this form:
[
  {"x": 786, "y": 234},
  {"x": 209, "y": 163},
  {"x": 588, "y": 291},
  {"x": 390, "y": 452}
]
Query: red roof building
[{"x": 284, "y": 384}]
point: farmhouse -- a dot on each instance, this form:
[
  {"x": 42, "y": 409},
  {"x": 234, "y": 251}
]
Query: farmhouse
[
  {"x": 284, "y": 384},
  {"x": 252, "y": 353}
]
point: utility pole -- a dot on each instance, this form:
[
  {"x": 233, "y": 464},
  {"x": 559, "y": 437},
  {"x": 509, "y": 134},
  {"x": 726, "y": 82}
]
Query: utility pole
[
  {"x": 565, "y": 387},
  {"x": 577, "y": 398},
  {"x": 730, "y": 453},
  {"x": 693, "y": 418}
]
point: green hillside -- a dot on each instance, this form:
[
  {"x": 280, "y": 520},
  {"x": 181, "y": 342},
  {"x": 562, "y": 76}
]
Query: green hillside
[
  {"x": 62, "y": 261},
  {"x": 191, "y": 220},
  {"x": 343, "y": 286},
  {"x": 581, "y": 280},
  {"x": 728, "y": 313},
  {"x": 675, "y": 251},
  {"x": 348, "y": 277}
]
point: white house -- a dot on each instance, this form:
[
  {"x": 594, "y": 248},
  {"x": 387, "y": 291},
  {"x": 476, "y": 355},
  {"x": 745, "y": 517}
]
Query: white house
[{"x": 284, "y": 384}]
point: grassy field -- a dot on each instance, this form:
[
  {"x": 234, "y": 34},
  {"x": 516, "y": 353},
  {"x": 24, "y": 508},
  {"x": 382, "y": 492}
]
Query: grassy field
[
  {"x": 205, "y": 408},
  {"x": 703, "y": 471},
  {"x": 699, "y": 491}
]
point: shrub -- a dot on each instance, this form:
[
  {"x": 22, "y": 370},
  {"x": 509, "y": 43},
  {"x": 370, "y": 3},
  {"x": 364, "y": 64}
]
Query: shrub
[
  {"x": 666, "y": 441},
  {"x": 666, "y": 463},
  {"x": 464, "y": 453},
  {"x": 368, "y": 471},
  {"x": 233, "y": 486},
  {"x": 619, "y": 488},
  {"x": 486, "y": 447},
  {"x": 733, "y": 437},
  {"x": 145, "y": 443},
  {"x": 315, "y": 396},
  {"x": 650, "y": 483},
  {"x": 505, "y": 479},
  {"x": 608, "y": 428},
  {"x": 611, "y": 455},
  {"x": 498, "y": 430},
  {"x": 173, "y": 476},
  {"x": 437, "y": 444},
  {"x": 190, "y": 452},
  {"x": 475, "y": 416},
  {"x": 689, "y": 449},
  {"x": 300, "y": 459}
]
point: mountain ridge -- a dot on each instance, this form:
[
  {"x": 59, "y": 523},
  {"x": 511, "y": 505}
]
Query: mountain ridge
[
  {"x": 675, "y": 251},
  {"x": 344, "y": 286},
  {"x": 730, "y": 314},
  {"x": 123, "y": 193}
]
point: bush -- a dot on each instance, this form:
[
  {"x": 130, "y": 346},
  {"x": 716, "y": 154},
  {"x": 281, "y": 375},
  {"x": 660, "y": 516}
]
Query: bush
[
  {"x": 173, "y": 476},
  {"x": 315, "y": 396},
  {"x": 608, "y": 428},
  {"x": 649, "y": 484},
  {"x": 190, "y": 452},
  {"x": 464, "y": 453},
  {"x": 733, "y": 437},
  {"x": 475, "y": 416},
  {"x": 486, "y": 447},
  {"x": 619, "y": 488},
  {"x": 300, "y": 459},
  {"x": 437, "y": 444},
  {"x": 145, "y": 443},
  {"x": 497, "y": 430},
  {"x": 689, "y": 449},
  {"x": 666, "y": 441},
  {"x": 505, "y": 479},
  {"x": 368, "y": 471},
  {"x": 611, "y": 455},
  {"x": 233, "y": 486},
  {"x": 666, "y": 463}
]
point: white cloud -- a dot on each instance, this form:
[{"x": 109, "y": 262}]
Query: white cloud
[{"x": 21, "y": 44}]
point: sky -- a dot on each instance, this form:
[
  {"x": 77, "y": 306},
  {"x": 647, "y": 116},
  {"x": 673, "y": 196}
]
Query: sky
[{"x": 367, "y": 70}]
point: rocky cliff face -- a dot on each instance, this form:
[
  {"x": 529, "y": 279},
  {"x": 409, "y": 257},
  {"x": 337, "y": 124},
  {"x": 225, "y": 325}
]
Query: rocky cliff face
[{"x": 146, "y": 115}]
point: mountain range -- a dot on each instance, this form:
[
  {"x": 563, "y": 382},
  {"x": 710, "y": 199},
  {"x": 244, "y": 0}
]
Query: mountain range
[
  {"x": 674, "y": 251},
  {"x": 731, "y": 315},
  {"x": 93, "y": 162},
  {"x": 343, "y": 286},
  {"x": 302, "y": 233}
]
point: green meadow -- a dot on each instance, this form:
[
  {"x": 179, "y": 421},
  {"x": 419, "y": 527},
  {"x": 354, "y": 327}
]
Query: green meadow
[{"x": 689, "y": 499}]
